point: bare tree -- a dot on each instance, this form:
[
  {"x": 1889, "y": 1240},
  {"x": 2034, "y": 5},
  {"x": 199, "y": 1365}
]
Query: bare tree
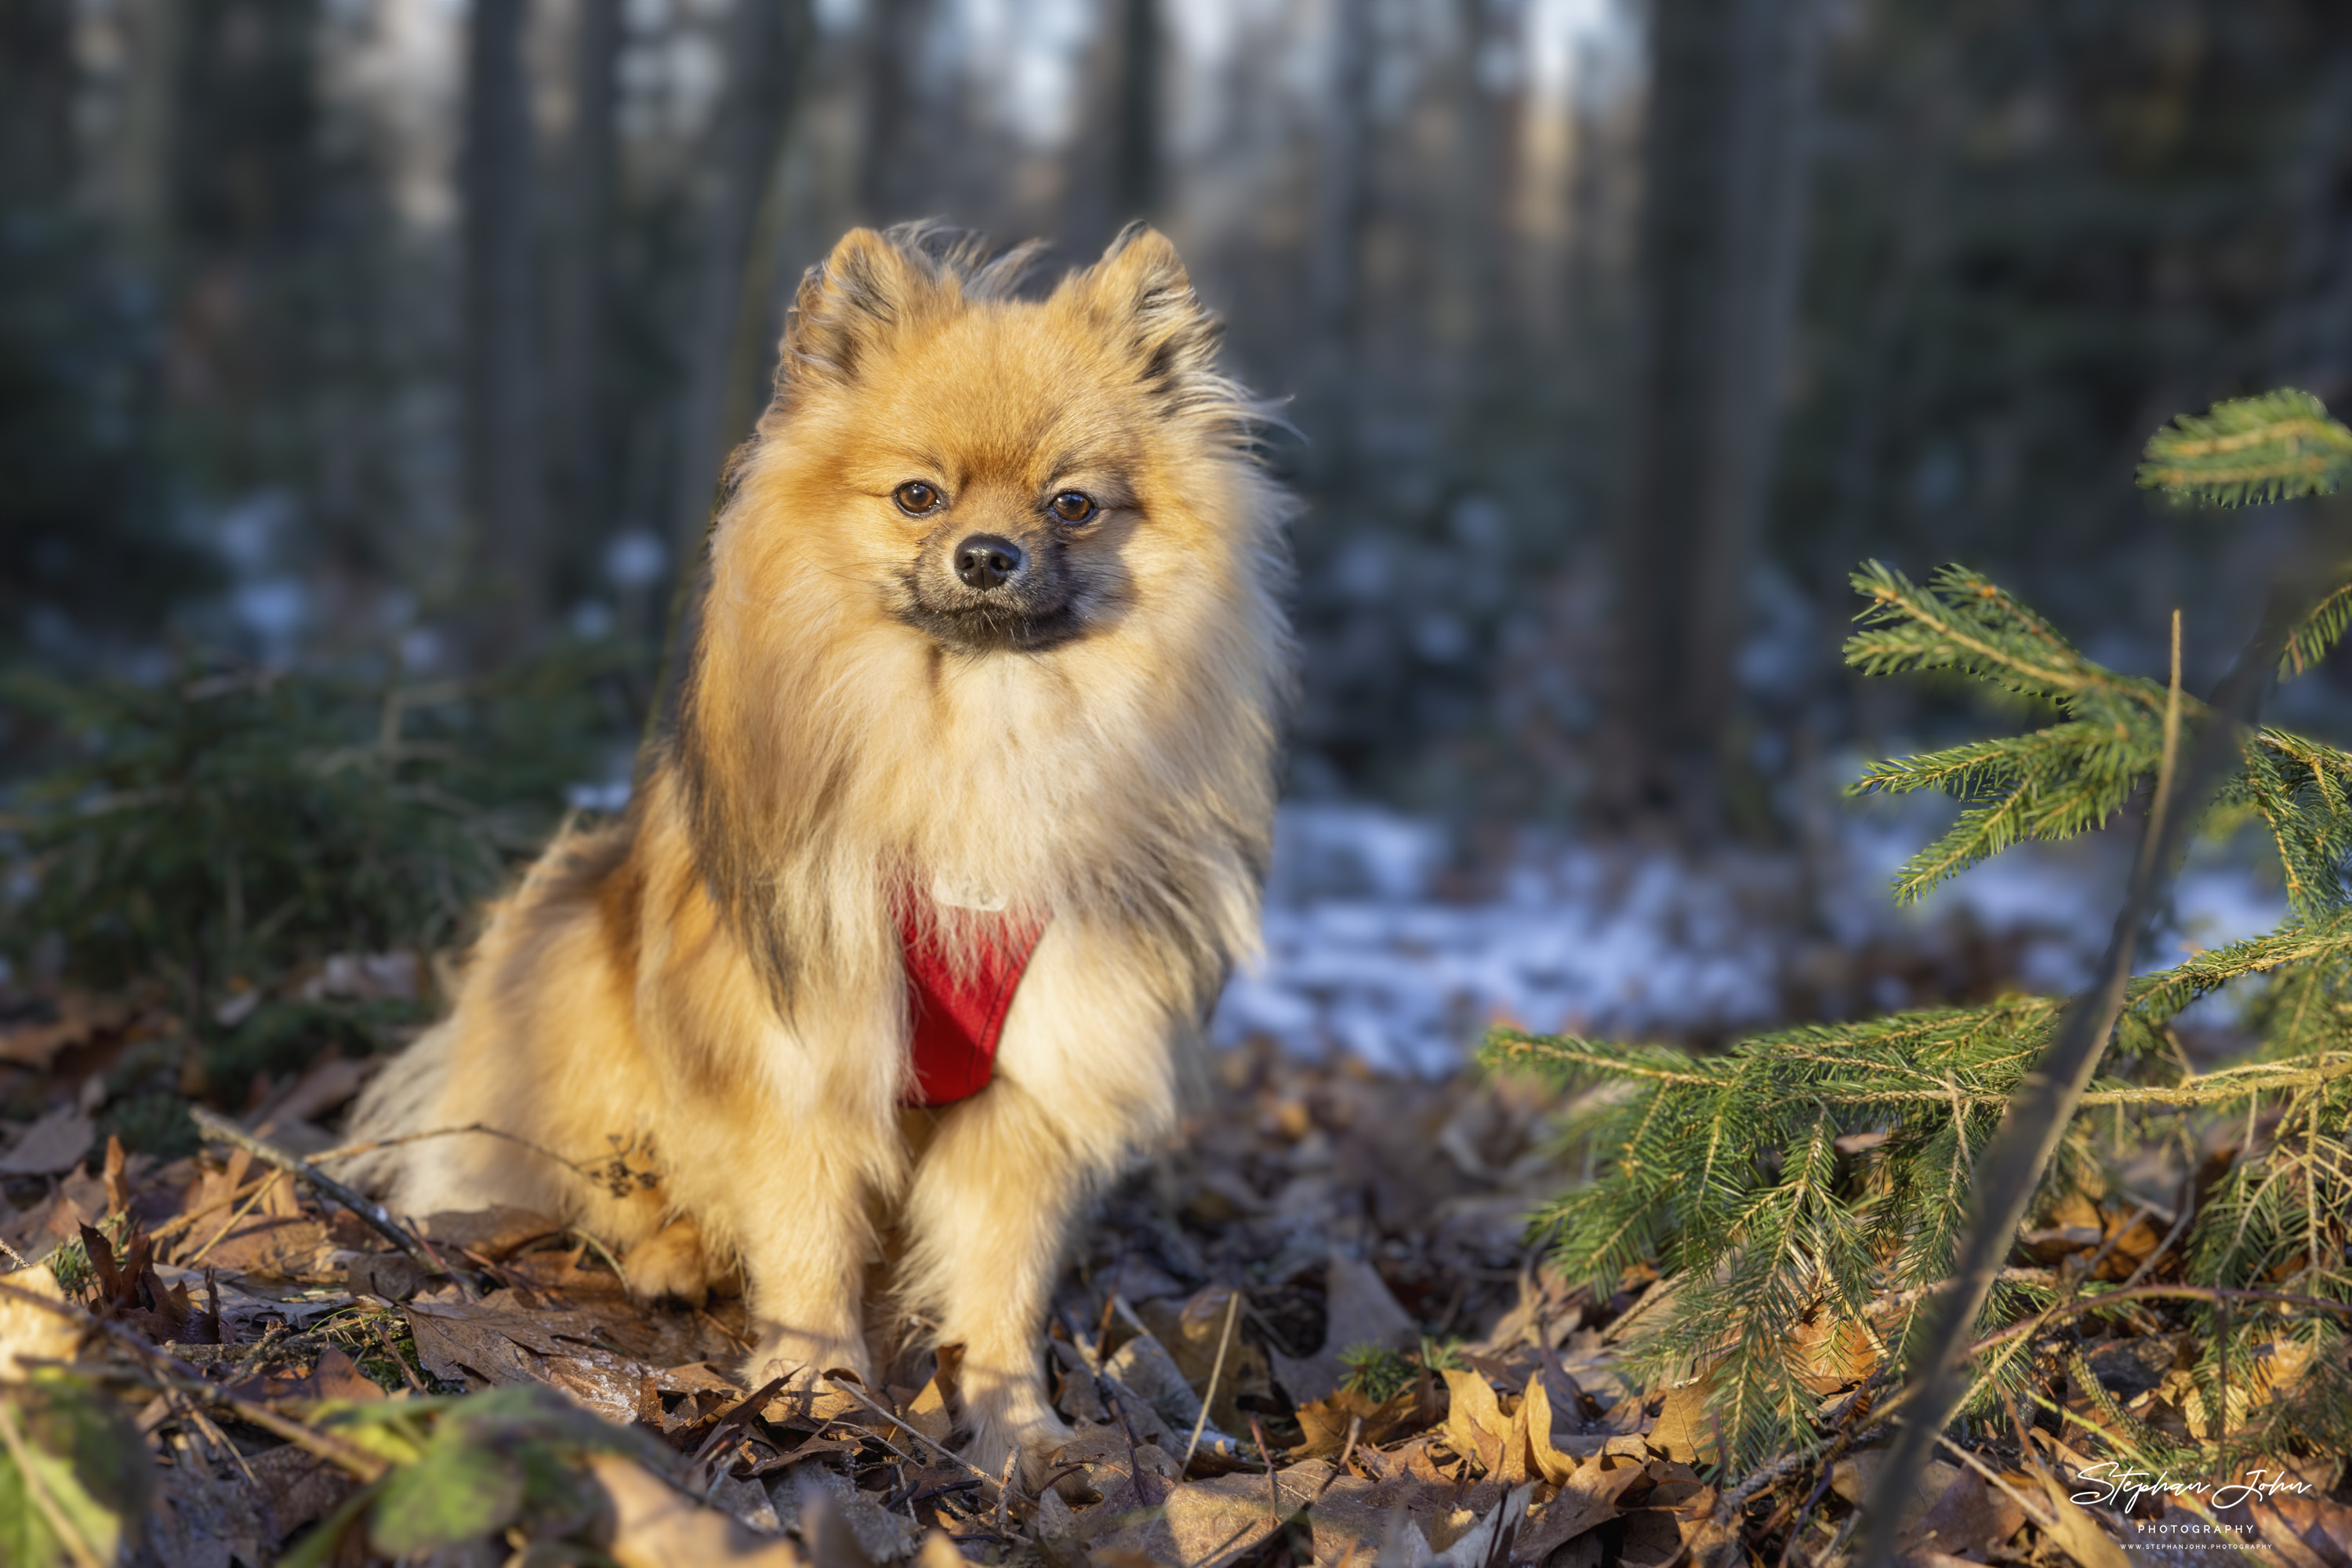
[
  {"x": 1135, "y": 174},
  {"x": 728, "y": 349},
  {"x": 506, "y": 504},
  {"x": 1335, "y": 261},
  {"x": 1731, "y": 94},
  {"x": 894, "y": 109},
  {"x": 580, "y": 277}
]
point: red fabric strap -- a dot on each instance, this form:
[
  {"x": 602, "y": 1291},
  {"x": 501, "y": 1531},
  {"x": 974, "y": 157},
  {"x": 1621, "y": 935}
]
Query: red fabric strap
[{"x": 959, "y": 1017}]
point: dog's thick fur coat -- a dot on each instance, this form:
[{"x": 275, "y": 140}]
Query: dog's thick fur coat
[{"x": 716, "y": 981}]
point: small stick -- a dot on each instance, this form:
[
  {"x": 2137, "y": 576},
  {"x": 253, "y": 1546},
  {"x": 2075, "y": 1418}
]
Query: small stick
[
  {"x": 1348, "y": 1452},
  {"x": 14, "y": 1255},
  {"x": 946, "y": 1453},
  {"x": 260, "y": 1191},
  {"x": 174, "y": 1225},
  {"x": 1005, "y": 1493},
  {"x": 1224, "y": 1341},
  {"x": 1273, "y": 1493},
  {"x": 215, "y": 1125},
  {"x": 383, "y": 1337},
  {"x": 353, "y": 1151}
]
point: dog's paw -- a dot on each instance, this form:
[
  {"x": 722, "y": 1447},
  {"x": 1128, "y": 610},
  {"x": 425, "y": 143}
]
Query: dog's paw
[
  {"x": 671, "y": 1264},
  {"x": 1035, "y": 1434},
  {"x": 801, "y": 1360}
]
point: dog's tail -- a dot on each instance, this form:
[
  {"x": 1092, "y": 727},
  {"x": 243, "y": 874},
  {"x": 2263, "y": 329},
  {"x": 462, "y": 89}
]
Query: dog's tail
[{"x": 402, "y": 1099}]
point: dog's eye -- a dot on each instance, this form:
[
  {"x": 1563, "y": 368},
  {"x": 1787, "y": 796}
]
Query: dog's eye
[
  {"x": 916, "y": 497},
  {"x": 1072, "y": 506}
]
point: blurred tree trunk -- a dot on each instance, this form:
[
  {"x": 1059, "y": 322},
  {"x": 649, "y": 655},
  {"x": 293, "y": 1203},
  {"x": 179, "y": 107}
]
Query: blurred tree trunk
[
  {"x": 1335, "y": 262},
  {"x": 577, "y": 349},
  {"x": 893, "y": 111},
  {"x": 729, "y": 345},
  {"x": 1731, "y": 87},
  {"x": 1135, "y": 174},
  {"x": 506, "y": 504},
  {"x": 37, "y": 82}
]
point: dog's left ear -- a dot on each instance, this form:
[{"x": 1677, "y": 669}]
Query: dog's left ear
[{"x": 1140, "y": 296}]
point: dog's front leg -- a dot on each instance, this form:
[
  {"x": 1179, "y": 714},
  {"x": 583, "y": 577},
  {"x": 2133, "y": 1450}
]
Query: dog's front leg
[
  {"x": 804, "y": 1235},
  {"x": 987, "y": 1215}
]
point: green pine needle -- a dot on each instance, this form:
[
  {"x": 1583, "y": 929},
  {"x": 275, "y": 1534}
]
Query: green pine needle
[{"x": 2249, "y": 450}]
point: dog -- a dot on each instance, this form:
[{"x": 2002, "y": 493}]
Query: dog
[{"x": 912, "y": 928}]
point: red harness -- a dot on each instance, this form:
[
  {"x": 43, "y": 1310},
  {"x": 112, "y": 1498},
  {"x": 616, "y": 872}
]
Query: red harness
[{"x": 959, "y": 1017}]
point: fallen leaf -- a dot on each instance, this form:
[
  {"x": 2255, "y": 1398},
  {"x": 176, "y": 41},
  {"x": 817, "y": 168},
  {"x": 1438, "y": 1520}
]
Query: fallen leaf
[
  {"x": 31, "y": 1331},
  {"x": 57, "y": 1141},
  {"x": 1359, "y": 1309},
  {"x": 36, "y": 1046},
  {"x": 1587, "y": 1499},
  {"x": 1685, "y": 1428},
  {"x": 2076, "y": 1533},
  {"x": 1970, "y": 1516},
  {"x": 1491, "y": 1541},
  {"x": 1476, "y": 1426},
  {"x": 655, "y": 1525},
  {"x": 2320, "y": 1525}
]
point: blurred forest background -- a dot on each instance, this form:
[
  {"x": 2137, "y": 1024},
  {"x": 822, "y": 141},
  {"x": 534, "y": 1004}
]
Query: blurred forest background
[{"x": 404, "y": 338}]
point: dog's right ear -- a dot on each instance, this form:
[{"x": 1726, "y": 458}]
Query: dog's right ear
[{"x": 847, "y": 304}]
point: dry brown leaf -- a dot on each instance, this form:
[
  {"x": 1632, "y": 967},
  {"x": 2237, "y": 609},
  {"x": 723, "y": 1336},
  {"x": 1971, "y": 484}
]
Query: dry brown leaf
[
  {"x": 1685, "y": 1430},
  {"x": 934, "y": 1411},
  {"x": 1476, "y": 1426},
  {"x": 1587, "y": 1499},
  {"x": 655, "y": 1525},
  {"x": 31, "y": 1331},
  {"x": 36, "y": 1046},
  {"x": 2319, "y": 1525},
  {"x": 1360, "y": 1309},
  {"x": 57, "y": 1141},
  {"x": 2076, "y": 1533},
  {"x": 1971, "y": 1516}
]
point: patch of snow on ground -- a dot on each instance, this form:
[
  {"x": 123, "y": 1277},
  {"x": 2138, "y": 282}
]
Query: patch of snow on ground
[{"x": 1366, "y": 953}]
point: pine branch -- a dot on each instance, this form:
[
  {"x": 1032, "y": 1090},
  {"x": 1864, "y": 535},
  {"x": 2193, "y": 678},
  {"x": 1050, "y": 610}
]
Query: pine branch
[{"x": 2250, "y": 450}]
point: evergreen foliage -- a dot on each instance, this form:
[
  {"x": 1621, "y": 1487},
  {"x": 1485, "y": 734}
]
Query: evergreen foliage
[
  {"x": 1812, "y": 1184},
  {"x": 213, "y": 833}
]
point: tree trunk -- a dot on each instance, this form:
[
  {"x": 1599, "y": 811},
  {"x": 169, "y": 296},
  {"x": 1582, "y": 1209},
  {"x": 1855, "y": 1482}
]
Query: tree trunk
[
  {"x": 1335, "y": 263},
  {"x": 1731, "y": 94},
  {"x": 580, "y": 470},
  {"x": 506, "y": 505},
  {"x": 895, "y": 104},
  {"x": 1135, "y": 174}
]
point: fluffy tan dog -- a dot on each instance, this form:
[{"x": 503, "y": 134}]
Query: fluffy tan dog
[{"x": 990, "y": 656}]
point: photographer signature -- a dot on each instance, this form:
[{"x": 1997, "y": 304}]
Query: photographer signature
[{"x": 2118, "y": 1485}]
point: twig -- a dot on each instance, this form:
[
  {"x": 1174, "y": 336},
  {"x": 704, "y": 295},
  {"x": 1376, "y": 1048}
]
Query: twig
[
  {"x": 353, "y": 1151},
  {"x": 260, "y": 1191},
  {"x": 14, "y": 1255},
  {"x": 1273, "y": 1492},
  {"x": 178, "y": 1223},
  {"x": 392, "y": 1348},
  {"x": 215, "y": 1125},
  {"x": 2218, "y": 1295},
  {"x": 2049, "y": 1095},
  {"x": 1346, "y": 1452},
  {"x": 924, "y": 1438},
  {"x": 1224, "y": 1341}
]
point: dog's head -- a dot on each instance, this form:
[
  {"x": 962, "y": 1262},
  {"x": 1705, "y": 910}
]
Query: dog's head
[{"x": 999, "y": 475}]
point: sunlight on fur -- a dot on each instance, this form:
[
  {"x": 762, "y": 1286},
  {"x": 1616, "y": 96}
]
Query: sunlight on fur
[{"x": 992, "y": 624}]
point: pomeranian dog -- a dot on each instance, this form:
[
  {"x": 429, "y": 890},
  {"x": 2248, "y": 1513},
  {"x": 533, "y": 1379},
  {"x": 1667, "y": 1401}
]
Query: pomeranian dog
[{"x": 913, "y": 925}]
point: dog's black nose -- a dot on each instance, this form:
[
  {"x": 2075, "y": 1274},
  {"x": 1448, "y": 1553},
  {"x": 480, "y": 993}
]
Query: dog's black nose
[{"x": 986, "y": 559}]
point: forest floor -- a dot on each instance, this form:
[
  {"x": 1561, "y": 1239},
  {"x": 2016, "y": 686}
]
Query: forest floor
[{"x": 236, "y": 1370}]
